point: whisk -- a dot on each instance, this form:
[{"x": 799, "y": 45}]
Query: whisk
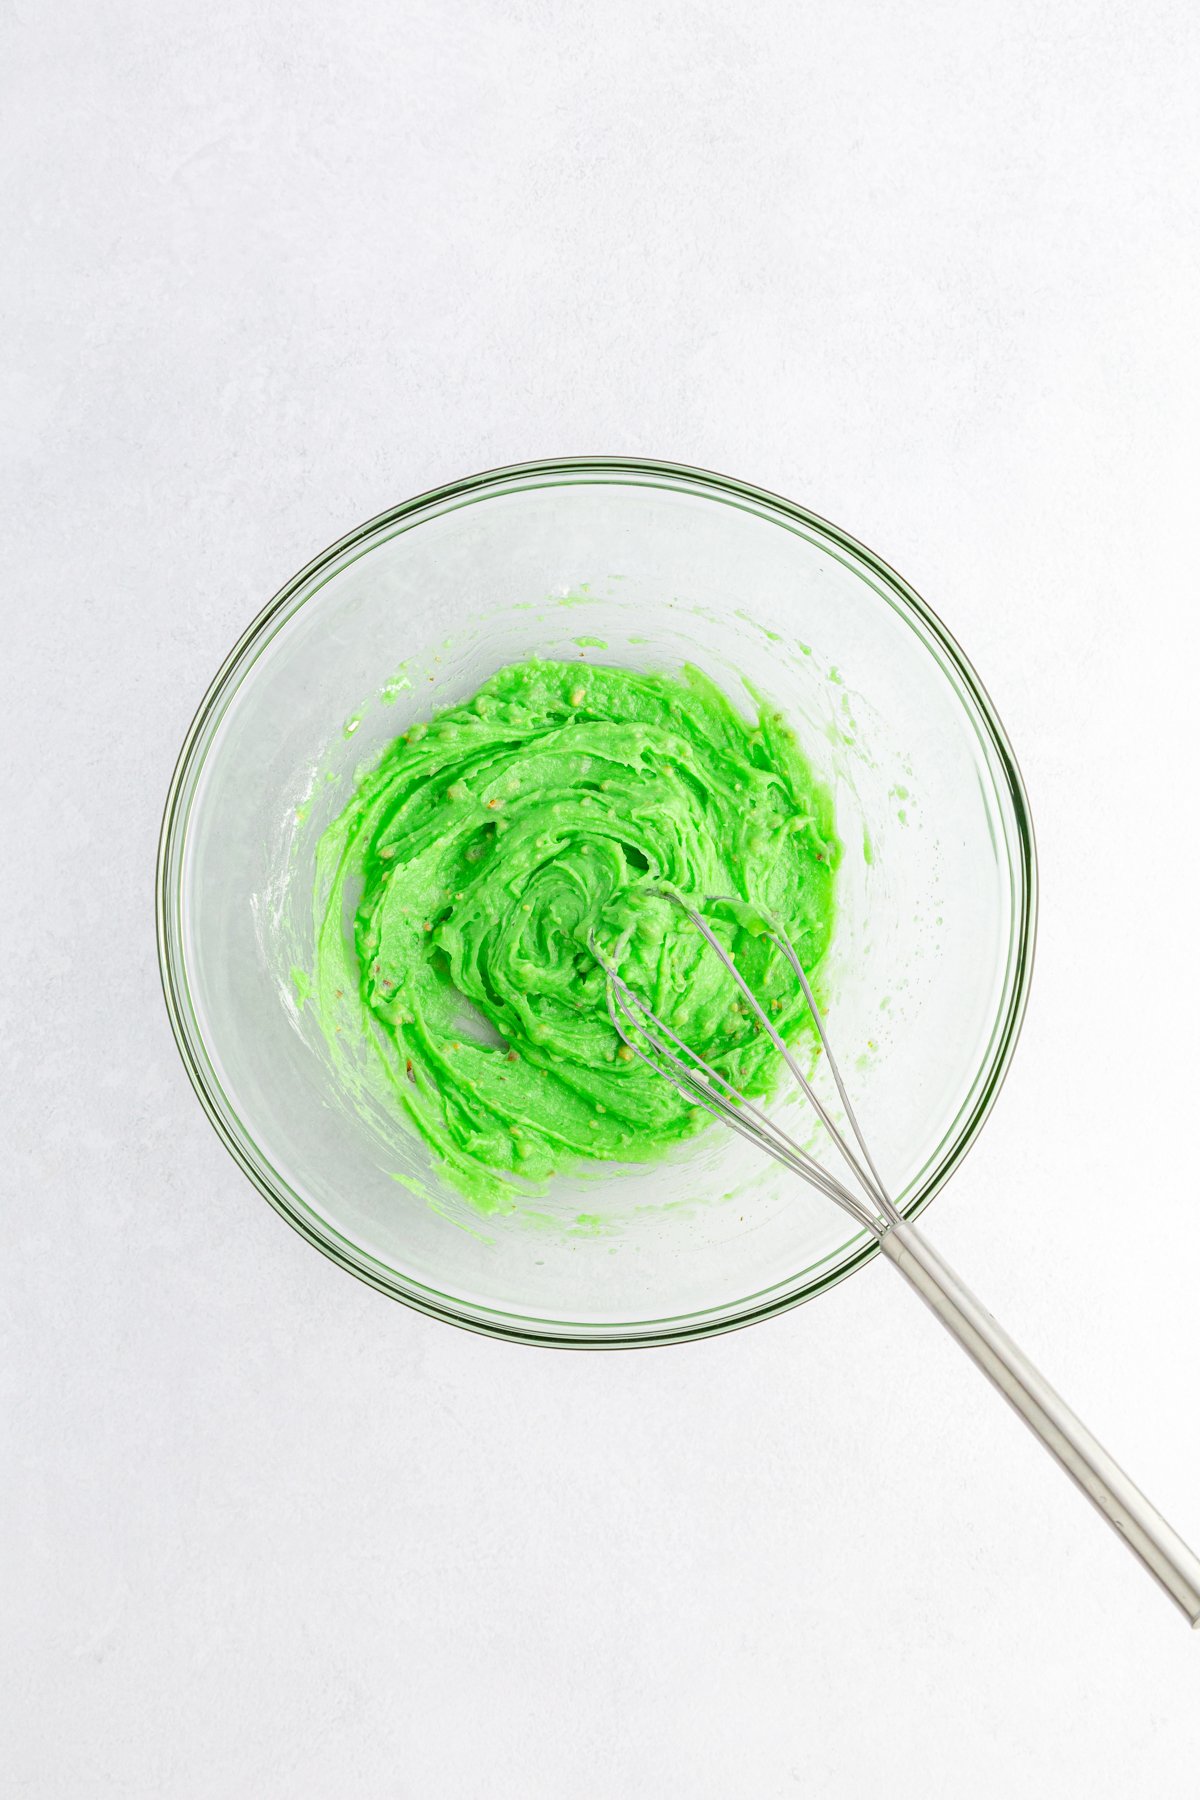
[{"x": 869, "y": 1204}]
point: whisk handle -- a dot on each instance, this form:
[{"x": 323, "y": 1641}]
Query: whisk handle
[{"x": 1110, "y": 1490}]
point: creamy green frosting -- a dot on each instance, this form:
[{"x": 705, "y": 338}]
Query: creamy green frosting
[{"x": 458, "y": 892}]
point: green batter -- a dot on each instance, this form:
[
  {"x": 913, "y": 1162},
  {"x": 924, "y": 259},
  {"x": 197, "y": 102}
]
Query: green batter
[{"x": 483, "y": 849}]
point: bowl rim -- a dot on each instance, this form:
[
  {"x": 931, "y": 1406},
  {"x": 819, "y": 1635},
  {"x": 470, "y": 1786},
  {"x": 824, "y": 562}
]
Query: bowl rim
[{"x": 189, "y": 1040}]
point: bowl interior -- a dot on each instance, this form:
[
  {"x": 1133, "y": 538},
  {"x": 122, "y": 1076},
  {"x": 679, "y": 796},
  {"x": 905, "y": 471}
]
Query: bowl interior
[{"x": 649, "y": 568}]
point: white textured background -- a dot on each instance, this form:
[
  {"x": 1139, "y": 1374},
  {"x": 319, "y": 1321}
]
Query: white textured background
[{"x": 930, "y": 268}]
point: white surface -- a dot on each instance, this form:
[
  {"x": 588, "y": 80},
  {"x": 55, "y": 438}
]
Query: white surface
[{"x": 932, "y": 270}]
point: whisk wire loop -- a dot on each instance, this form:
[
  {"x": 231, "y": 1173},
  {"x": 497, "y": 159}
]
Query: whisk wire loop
[
  {"x": 633, "y": 1021},
  {"x": 656, "y": 1045}
]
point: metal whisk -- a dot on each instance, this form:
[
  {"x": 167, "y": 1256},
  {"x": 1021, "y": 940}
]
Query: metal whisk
[{"x": 1110, "y": 1490}]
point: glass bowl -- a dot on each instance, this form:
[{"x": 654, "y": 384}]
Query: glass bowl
[{"x": 647, "y": 565}]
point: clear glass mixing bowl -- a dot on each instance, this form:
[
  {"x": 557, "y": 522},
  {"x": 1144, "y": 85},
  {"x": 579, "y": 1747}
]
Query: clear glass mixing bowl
[{"x": 660, "y": 565}]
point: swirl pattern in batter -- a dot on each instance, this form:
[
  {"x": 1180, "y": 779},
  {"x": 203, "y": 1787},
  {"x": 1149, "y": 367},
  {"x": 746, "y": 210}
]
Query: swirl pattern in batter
[{"x": 485, "y": 847}]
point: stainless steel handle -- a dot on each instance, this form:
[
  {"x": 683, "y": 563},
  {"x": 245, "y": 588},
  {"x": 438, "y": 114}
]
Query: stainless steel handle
[{"x": 1110, "y": 1490}]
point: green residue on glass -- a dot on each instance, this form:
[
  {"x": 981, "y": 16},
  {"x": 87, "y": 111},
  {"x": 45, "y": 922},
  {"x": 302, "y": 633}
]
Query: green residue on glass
[
  {"x": 836, "y": 677},
  {"x": 394, "y": 685},
  {"x": 805, "y": 649},
  {"x": 352, "y": 724},
  {"x": 438, "y": 1205},
  {"x": 590, "y": 643},
  {"x": 868, "y": 847},
  {"x": 302, "y": 982},
  {"x": 302, "y": 813},
  {"x": 487, "y": 848},
  {"x": 772, "y": 637}
]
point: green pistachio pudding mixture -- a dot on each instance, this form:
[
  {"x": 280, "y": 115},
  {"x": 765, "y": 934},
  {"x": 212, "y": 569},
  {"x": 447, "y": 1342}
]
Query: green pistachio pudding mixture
[{"x": 458, "y": 892}]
